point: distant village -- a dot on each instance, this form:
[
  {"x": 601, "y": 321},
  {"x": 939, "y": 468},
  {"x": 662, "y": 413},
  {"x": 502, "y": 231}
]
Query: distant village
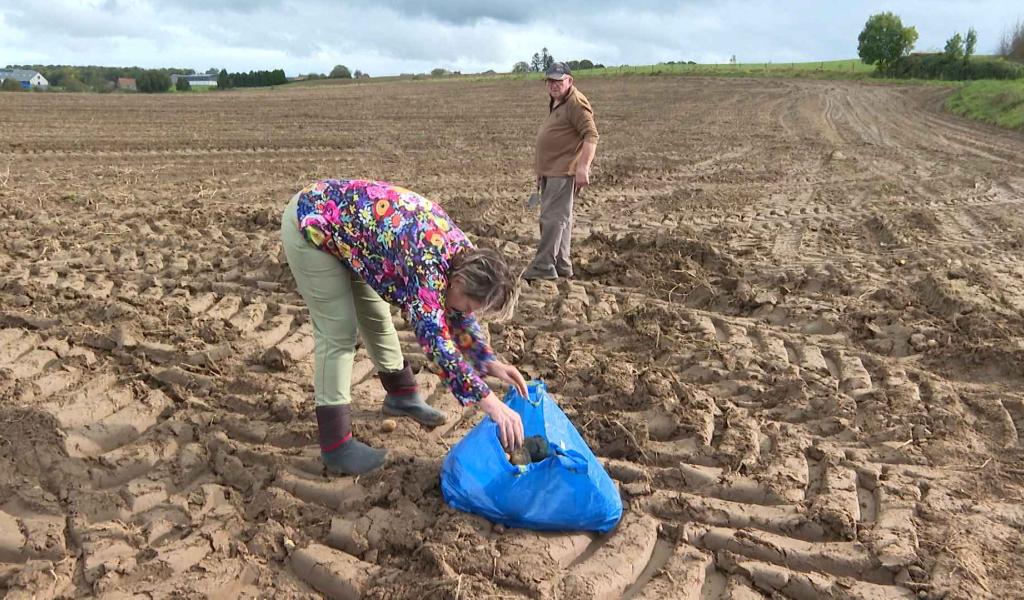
[
  {"x": 34, "y": 80},
  {"x": 12, "y": 79}
]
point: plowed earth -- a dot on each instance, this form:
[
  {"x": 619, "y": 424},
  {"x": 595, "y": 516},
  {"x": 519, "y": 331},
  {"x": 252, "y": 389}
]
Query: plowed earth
[{"x": 795, "y": 338}]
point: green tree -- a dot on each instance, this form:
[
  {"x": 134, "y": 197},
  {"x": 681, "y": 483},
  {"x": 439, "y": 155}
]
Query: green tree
[
  {"x": 586, "y": 64},
  {"x": 10, "y": 85},
  {"x": 223, "y": 79},
  {"x": 71, "y": 83},
  {"x": 340, "y": 72},
  {"x": 884, "y": 40},
  {"x": 153, "y": 82},
  {"x": 546, "y": 59},
  {"x": 541, "y": 61},
  {"x": 954, "y": 49},
  {"x": 439, "y": 72},
  {"x": 970, "y": 43},
  {"x": 64, "y": 77},
  {"x": 521, "y": 67},
  {"x": 182, "y": 85}
]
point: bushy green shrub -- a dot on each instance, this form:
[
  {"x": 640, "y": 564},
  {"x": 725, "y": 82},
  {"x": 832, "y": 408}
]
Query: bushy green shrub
[
  {"x": 941, "y": 66},
  {"x": 153, "y": 82},
  {"x": 340, "y": 72}
]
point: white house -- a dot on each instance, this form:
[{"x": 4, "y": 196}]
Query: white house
[
  {"x": 27, "y": 79},
  {"x": 201, "y": 79}
]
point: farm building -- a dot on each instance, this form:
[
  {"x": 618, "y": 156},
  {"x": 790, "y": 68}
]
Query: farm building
[
  {"x": 127, "y": 84},
  {"x": 28, "y": 79},
  {"x": 201, "y": 79}
]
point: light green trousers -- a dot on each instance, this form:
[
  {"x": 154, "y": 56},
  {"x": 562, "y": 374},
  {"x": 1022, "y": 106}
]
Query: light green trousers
[{"x": 337, "y": 300}]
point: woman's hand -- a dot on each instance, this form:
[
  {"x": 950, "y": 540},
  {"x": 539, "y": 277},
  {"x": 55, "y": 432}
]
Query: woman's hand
[
  {"x": 510, "y": 424},
  {"x": 508, "y": 374}
]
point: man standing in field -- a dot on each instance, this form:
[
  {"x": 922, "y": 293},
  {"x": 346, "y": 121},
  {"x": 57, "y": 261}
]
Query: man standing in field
[{"x": 566, "y": 144}]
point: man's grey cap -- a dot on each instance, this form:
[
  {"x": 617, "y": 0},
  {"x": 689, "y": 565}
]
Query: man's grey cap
[{"x": 557, "y": 71}]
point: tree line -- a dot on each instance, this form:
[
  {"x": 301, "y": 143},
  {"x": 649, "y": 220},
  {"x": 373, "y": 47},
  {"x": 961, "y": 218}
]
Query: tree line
[
  {"x": 227, "y": 80},
  {"x": 886, "y": 43},
  {"x": 543, "y": 59},
  {"x": 103, "y": 79},
  {"x": 95, "y": 78}
]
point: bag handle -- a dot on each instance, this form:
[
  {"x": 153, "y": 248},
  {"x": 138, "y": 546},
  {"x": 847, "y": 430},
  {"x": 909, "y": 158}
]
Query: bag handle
[{"x": 533, "y": 384}]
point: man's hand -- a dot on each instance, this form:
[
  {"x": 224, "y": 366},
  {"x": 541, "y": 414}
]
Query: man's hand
[
  {"x": 583, "y": 165},
  {"x": 508, "y": 374},
  {"x": 582, "y": 177},
  {"x": 510, "y": 424}
]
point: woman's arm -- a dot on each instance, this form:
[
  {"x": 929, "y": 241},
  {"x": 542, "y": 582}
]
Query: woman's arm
[
  {"x": 470, "y": 340},
  {"x": 433, "y": 331}
]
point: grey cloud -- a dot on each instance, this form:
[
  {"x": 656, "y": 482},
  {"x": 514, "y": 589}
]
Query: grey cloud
[
  {"x": 456, "y": 12},
  {"x": 77, "y": 22},
  {"x": 544, "y": 12}
]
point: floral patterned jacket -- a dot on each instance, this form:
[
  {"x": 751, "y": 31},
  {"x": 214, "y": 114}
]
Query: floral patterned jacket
[{"x": 400, "y": 243}]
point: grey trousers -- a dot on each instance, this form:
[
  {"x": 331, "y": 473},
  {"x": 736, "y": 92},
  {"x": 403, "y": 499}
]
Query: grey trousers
[{"x": 556, "y": 218}]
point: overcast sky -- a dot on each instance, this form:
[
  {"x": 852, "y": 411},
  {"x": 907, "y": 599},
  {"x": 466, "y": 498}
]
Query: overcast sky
[{"x": 388, "y": 37}]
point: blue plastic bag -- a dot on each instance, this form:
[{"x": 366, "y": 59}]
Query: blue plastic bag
[{"x": 568, "y": 491}]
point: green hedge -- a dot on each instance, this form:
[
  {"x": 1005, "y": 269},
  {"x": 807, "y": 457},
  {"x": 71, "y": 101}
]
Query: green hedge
[{"x": 938, "y": 66}]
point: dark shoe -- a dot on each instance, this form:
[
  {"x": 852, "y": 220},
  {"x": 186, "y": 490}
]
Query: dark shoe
[
  {"x": 403, "y": 398},
  {"x": 353, "y": 457}
]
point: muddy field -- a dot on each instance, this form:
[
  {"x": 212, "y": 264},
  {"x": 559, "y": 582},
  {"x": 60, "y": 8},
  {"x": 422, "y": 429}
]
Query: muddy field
[{"x": 795, "y": 338}]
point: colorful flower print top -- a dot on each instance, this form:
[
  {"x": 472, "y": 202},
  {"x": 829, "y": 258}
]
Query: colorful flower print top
[{"x": 400, "y": 243}]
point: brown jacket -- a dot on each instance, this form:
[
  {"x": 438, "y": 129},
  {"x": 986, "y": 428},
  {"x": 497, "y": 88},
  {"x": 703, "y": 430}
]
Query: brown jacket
[{"x": 562, "y": 134}]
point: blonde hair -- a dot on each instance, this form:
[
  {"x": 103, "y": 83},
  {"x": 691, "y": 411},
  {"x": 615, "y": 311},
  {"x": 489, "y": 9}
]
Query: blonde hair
[{"x": 487, "y": 278}]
